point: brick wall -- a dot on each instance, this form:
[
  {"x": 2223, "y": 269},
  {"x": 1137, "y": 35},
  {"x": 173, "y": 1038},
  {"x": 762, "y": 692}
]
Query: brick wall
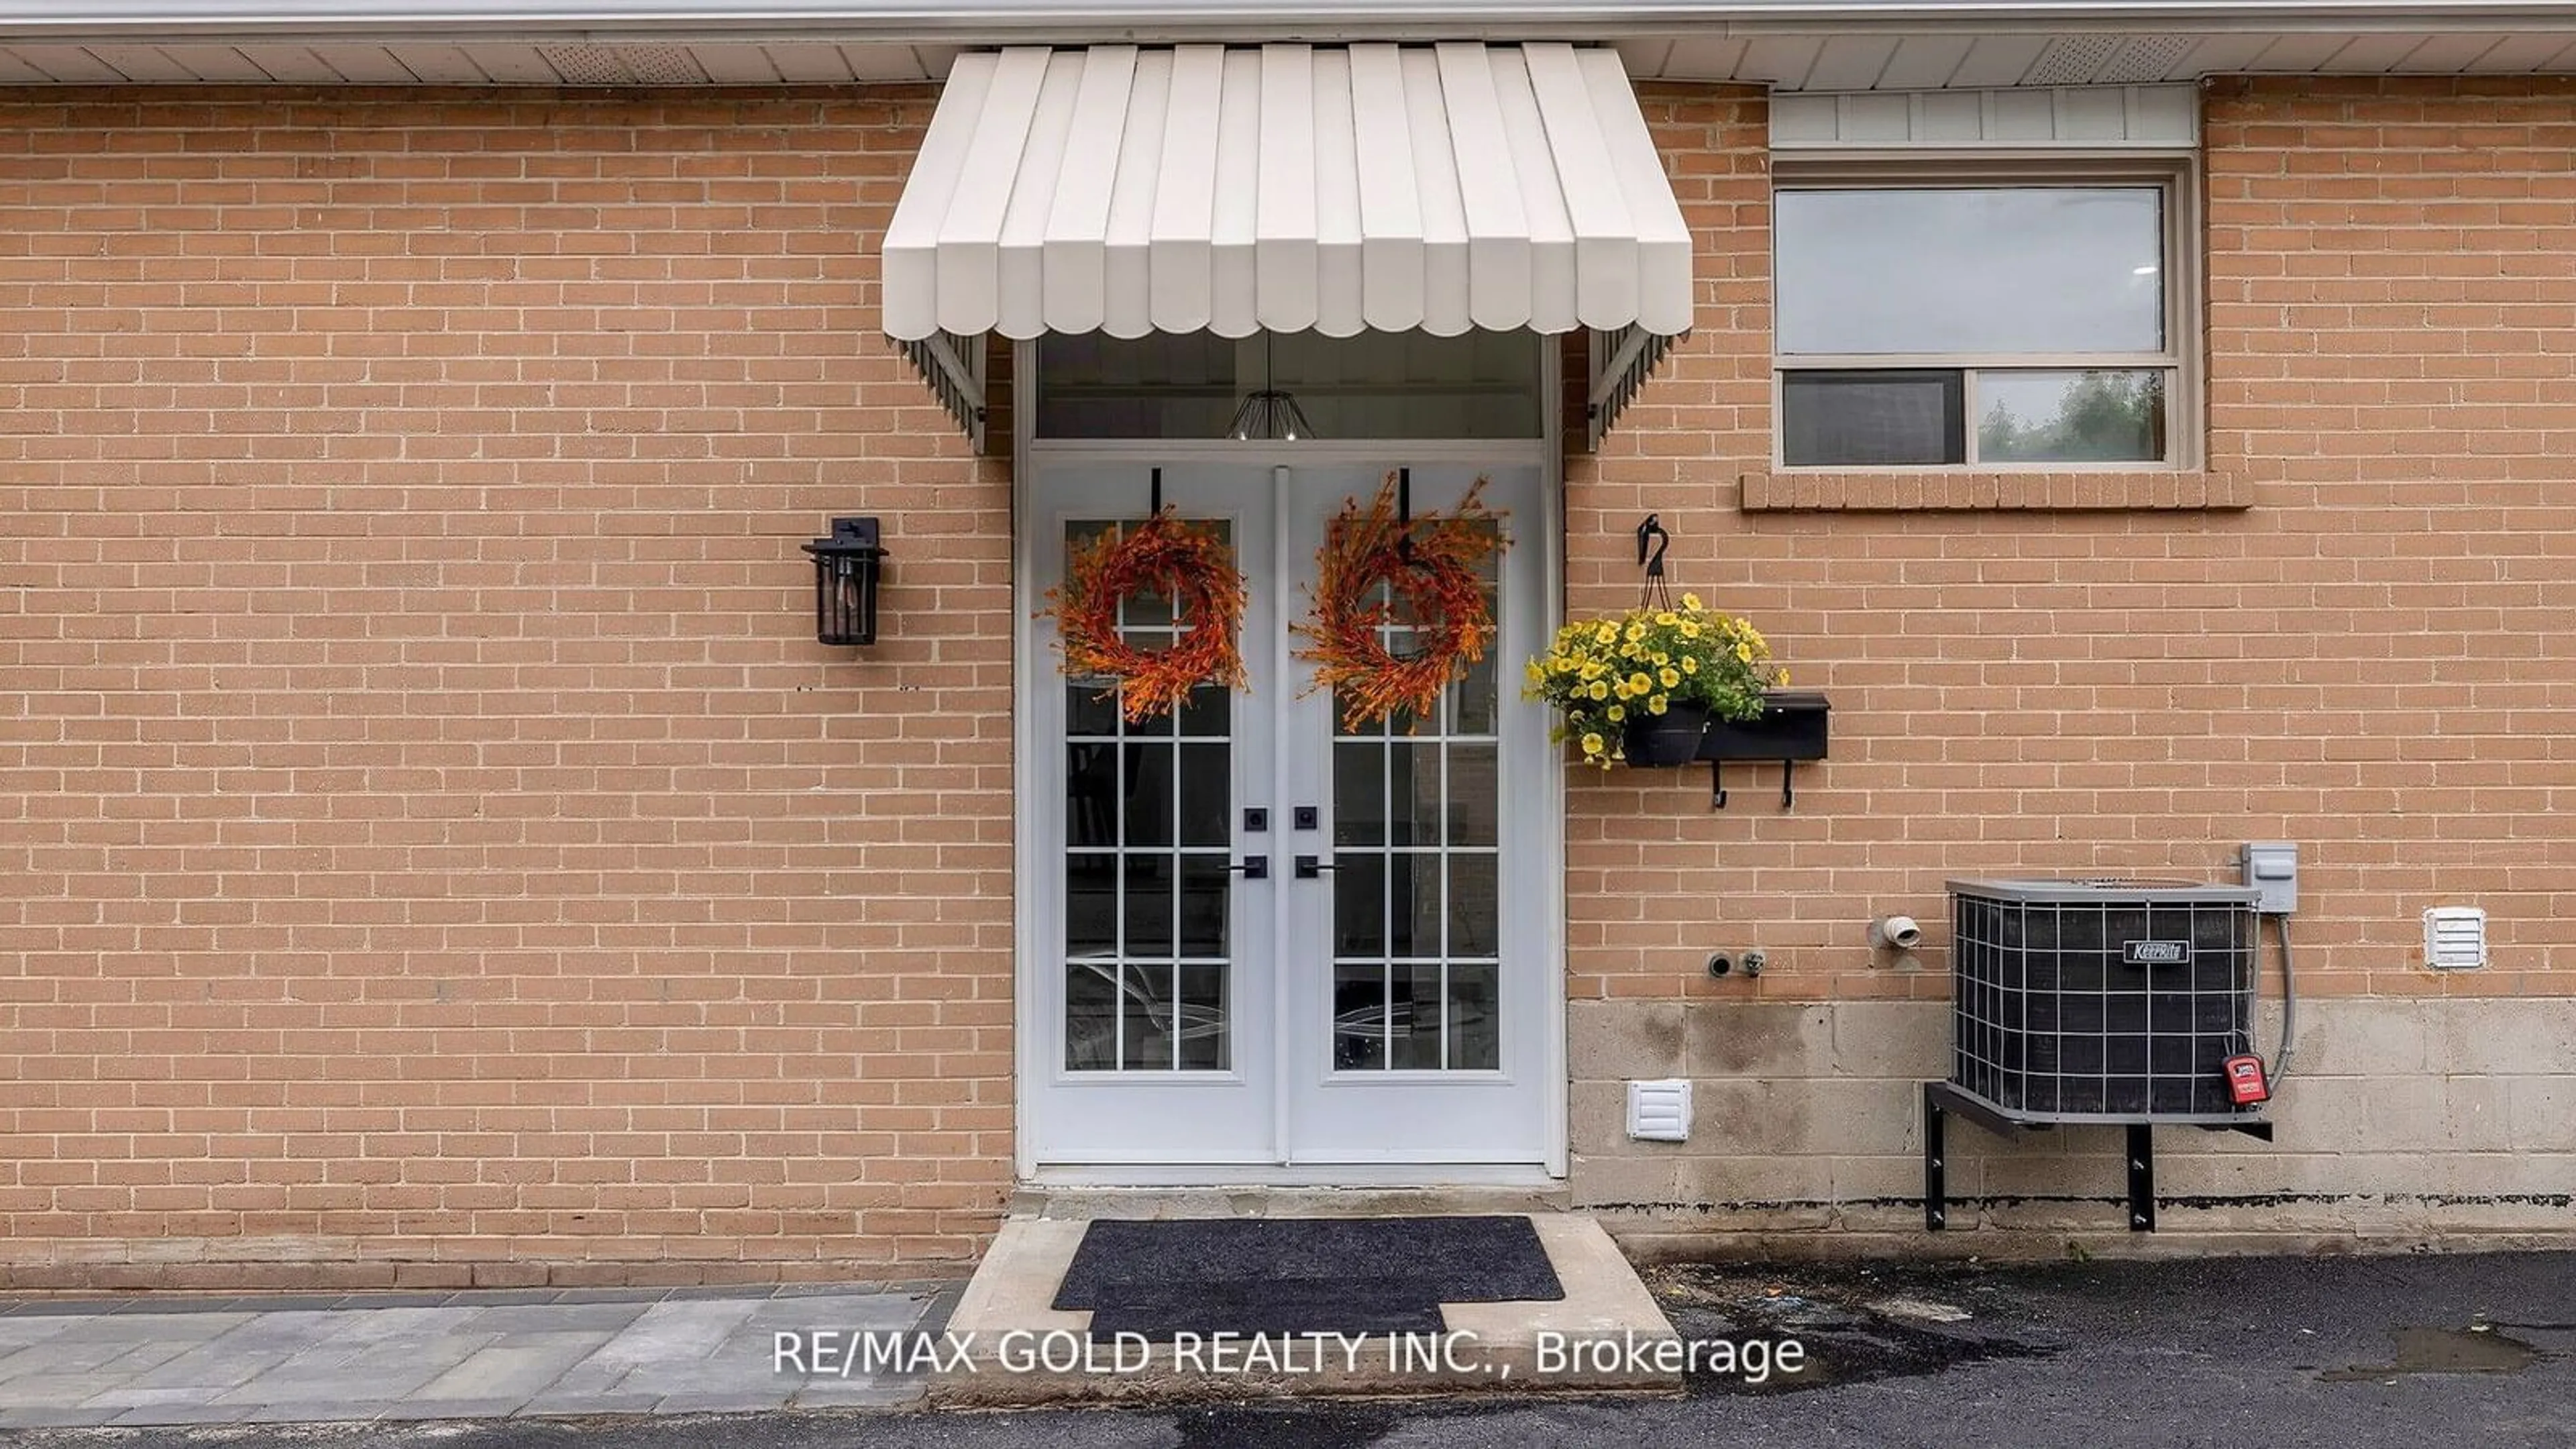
[
  {"x": 2372, "y": 660},
  {"x": 435, "y": 845}
]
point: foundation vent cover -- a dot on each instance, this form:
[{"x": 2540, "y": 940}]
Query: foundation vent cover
[
  {"x": 2455, "y": 938},
  {"x": 1659, "y": 1111}
]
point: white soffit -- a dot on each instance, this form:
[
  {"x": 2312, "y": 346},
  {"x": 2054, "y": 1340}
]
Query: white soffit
[
  {"x": 1289, "y": 187},
  {"x": 2094, "y": 118}
]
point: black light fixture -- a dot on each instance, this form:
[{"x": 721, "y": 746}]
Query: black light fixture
[
  {"x": 1270, "y": 412},
  {"x": 847, "y": 566}
]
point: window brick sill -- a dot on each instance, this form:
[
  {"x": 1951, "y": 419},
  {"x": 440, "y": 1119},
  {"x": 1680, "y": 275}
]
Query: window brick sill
[{"x": 2146, "y": 490}]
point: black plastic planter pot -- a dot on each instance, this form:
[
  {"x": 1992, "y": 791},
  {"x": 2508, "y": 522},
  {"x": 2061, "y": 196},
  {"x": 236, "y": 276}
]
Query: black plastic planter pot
[{"x": 1670, "y": 738}]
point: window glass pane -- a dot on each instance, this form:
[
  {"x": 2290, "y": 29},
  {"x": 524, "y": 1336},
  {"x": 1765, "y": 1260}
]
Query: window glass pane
[
  {"x": 1975, "y": 270},
  {"x": 1374, "y": 385},
  {"x": 2097, "y": 416},
  {"x": 1161, "y": 385},
  {"x": 1412, "y": 384},
  {"x": 1871, "y": 419}
]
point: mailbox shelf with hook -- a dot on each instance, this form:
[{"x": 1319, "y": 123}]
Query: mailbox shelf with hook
[{"x": 1792, "y": 728}]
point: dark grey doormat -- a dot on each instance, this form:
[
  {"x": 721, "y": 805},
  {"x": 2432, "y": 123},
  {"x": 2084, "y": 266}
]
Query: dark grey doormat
[{"x": 1300, "y": 1275}]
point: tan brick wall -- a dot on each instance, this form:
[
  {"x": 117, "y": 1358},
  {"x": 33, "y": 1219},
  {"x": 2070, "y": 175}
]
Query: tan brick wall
[
  {"x": 2372, "y": 661},
  {"x": 433, "y": 836}
]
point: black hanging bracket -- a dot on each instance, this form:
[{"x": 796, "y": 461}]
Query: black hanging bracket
[
  {"x": 1404, "y": 514},
  {"x": 1157, "y": 507},
  {"x": 1651, "y": 535}
]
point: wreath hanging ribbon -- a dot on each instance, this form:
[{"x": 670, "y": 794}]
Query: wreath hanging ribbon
[
  {"x": 1162, "y": 556},
  {"x": 1430, "y": 565}
]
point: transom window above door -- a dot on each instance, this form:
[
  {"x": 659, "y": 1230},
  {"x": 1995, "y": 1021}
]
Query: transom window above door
[
  {"x": 1192, "y": 385},
  {"x": 1994, "y": 322}
]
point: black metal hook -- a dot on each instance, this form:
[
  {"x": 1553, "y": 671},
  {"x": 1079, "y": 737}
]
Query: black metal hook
[
  {"x": 1651, "y": 534},
  {"x": 1158, "y": 494}
]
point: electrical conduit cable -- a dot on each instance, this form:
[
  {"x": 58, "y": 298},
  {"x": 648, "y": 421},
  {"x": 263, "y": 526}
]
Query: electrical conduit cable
[{"x": 2289, "y": 1009}]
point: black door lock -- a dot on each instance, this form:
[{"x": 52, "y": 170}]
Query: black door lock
[{"x": 1309, "y": 867}]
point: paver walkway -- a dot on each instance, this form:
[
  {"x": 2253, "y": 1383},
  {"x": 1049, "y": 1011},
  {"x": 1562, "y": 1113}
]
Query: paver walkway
[{"x": 163, "y": 1360}]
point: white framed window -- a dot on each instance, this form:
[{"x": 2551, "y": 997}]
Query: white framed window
[{"x": 1986, "y": 315}]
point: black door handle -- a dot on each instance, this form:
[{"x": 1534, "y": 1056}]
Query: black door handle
[
  {"x": 1254, "y": 867},
  {"x": 1309, "y": 867}
]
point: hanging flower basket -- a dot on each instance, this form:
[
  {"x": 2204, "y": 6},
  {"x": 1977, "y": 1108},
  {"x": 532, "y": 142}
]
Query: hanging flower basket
[
  {"x": 1432, "y": 565},
  {"x": 1641, "y": 688},
  {"x": 1164, "y": 557}
]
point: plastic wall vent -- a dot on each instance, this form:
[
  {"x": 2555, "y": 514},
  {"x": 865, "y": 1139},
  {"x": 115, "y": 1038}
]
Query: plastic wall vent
[
  {"x": 2455, "y": 938},
  {"x": 1659, "y": 1111}
]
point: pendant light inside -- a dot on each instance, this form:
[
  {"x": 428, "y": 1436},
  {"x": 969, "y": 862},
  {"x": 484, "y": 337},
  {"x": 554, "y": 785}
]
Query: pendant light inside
[{"x": 1270, "y": 412}]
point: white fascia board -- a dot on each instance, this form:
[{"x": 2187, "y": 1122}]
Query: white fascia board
[{"x": 972, "y": 22}]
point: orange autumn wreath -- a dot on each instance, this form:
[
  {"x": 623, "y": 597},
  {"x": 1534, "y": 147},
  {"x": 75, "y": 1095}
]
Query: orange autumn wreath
[
  {"x": 1430, "y": 564},
  {"x": 1192, "y": 567}
]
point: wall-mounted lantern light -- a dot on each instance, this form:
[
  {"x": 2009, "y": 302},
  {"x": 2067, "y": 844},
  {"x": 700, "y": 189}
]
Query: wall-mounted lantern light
[{"x": 846, "y": 569}]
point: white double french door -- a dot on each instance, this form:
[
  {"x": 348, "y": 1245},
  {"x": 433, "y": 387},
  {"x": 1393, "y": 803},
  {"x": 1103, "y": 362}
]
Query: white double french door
[{"x": 1261, "y": 938}]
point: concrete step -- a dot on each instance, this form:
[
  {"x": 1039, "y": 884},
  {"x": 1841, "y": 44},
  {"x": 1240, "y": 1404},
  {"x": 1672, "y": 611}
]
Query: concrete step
[{"x": 1011, "y": 1347}]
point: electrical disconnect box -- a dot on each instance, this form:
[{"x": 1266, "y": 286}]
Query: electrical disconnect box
[{"x": 2272, "y": 869}]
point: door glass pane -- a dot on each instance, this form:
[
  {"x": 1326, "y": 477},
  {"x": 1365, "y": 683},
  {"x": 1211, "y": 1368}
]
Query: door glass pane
[
  {"x": 1146, "y": 1003},
  {"x": 1413, "y": 786},
  {"x": 1473, "y": 798},
  {"x": 1147, "y": 794},
  {"x": 1416, "y": 836},
  {"x": 1359, "y": 793},
  {"x": 1091, "y": 1016},
  {"x": 2099, "y": 415},
  {"x": 1413, "y": 1018},
  {"x": 1202, "y": 1019},
  {"x": 1206, "y": 886},
  {"x": 1474, "y": 1018},
  {"x": 1970, "y": 269},
  {"x": 1359, "y": 1018},
  {"x": 1147, "y": 893}
]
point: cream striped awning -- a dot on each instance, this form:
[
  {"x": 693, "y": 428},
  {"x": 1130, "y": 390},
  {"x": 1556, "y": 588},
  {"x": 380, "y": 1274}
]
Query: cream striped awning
[{"x": 1287, "y": 187}]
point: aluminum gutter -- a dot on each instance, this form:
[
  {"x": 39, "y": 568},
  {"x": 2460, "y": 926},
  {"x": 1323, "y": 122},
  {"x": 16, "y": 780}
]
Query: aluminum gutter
[{"x": 1001, "y": 21}]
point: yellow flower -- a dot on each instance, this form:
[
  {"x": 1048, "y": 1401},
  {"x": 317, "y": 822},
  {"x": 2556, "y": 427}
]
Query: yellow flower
[
  {"x": 1659, "y": 704},
  {"x": 1691, "y": 602},
  {"x": 1690, "y": 629},
  {"x": 1592, "y": 744},
  {"x": 1784, "y": 678},
  {"x": 1744, "y": 652},
  {"x": 1599, "y": 690},
  {"x": 1536, "y": 671},
  {"x": 1668, "y": 618},
  {"x": 1608, "y": 632},
  {"x": 1639, "y": 682},
  {"x": 1690, "y": 664},
  {"x": 1631, "y": 651},
  {"x": 1636, "y": 632},
  {"x": 1615, "y": 713},
  {"x": 1593, "y": 669},
  {"x": 1662, "y": 658},
  {"x": 1672, "y": 678}
]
